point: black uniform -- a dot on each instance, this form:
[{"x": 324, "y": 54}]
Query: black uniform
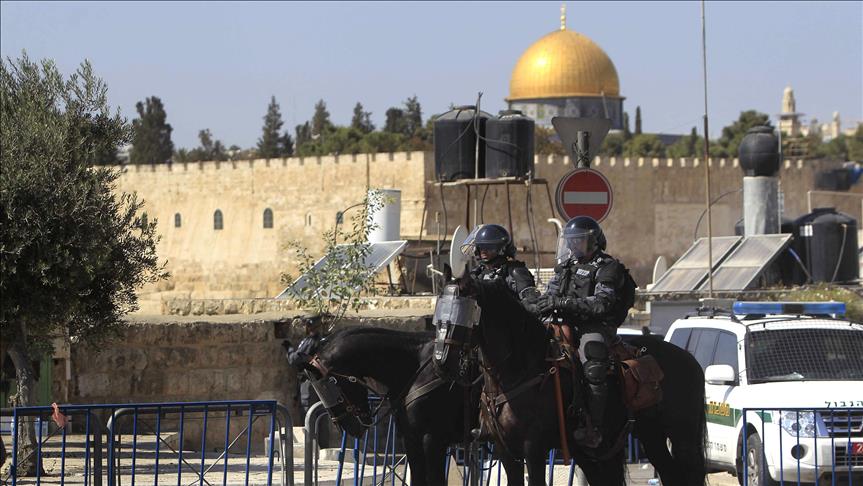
[
  {"x": 586, "y": 294},
  {"x": 512, "y": 273}
]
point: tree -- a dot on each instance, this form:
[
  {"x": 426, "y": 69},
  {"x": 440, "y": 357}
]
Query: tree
[
  {"x": 151, "y": 135},
  {"x": 612, "y": 146},
  {"x": 413, "y": 117},
  {"x": 272, "y": 143},
  {"x": 340, "y": 282},
  {"x": 644, "y": 145},
  {"x": 689, "y": 146},
  {"x": 546, "y": 142},
  {"x": 304, "y": 135},
  {"x": 321, "y": 123},
  {"x": 362, "y": 119},
  {"x": 73, "y": 250},
  {"x": 638, "y": 120},
  {"x": 732, "y": 135},
  {"x": 395, "y": 121},
  {"x": 626, "y": 133}
]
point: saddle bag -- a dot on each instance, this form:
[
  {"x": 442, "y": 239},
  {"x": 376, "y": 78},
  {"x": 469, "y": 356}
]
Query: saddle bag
[{"x": 641, "y": 379}]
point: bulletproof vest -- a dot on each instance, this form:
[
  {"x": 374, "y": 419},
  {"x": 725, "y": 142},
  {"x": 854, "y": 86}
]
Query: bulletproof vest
[
  {"x": 504, "y": 273},
  {"x": 579, "y": 278}
]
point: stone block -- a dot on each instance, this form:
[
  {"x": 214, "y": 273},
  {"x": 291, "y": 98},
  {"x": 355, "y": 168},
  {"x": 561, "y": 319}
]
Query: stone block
[
  {"x": 214, "y": 307},
  {"x": 197, "y": 308}
]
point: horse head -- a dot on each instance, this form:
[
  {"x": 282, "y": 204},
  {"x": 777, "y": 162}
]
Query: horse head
[{"x": 344, "y": 396}]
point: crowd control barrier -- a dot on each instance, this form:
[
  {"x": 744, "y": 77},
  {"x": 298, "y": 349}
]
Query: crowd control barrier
[
  {"x": 216, "y": 442},
  {"x": 792, "y": 446},
  {"x": 378, "y": 459}
]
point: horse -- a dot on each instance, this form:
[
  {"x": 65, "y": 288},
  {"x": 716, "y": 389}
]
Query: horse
[
  {"x": 519, "y": 404},
  {"x": 429, "y": 412}
]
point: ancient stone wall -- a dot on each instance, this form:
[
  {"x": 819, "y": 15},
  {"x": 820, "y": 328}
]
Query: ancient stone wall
[{"x": 657, "y": 203}]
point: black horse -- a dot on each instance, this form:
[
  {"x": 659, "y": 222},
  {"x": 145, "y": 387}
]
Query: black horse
[
  {"x": 519, "y": 405},
  {"x": 429, "y": 413}
]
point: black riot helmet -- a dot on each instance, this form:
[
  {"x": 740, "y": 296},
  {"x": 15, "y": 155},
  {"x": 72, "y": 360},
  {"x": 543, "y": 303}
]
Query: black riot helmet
[
  {"x": 581, "y": 236},
  {"x": 492, "y": 237}
]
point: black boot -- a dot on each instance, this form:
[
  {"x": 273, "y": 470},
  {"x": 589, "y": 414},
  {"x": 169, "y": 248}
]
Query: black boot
[{"x": 589, "y": 432}]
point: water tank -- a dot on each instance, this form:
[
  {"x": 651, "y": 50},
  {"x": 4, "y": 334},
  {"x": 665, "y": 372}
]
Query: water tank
[
  {"x": 509, "y": 145},
  {"x": 759, "y": 152},
  {"x": 386, "y": 221},
  {"x": 455, "y": 144},
  {"x": 827, "y": 243}
]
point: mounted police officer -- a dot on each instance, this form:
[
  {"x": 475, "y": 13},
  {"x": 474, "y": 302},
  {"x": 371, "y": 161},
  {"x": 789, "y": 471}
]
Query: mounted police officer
[
  {"x": 299, "y": 356},
  {"x": 592, "y": 292},
  {"x": 492, "y": 247}
]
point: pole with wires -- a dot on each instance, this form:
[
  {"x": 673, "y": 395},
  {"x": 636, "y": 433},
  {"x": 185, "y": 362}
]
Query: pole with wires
[
  {"x": 707, "y": 157},
  {"x": 476, "y": 154}
]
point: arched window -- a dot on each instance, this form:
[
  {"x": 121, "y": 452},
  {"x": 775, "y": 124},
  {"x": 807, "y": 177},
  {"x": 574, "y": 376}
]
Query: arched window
[
  {"x": 178, "y": 220},
  {"x": 217, "y": 220},
  {"x": 268, "y": 218},
  {"x": 309, "y": 219}
]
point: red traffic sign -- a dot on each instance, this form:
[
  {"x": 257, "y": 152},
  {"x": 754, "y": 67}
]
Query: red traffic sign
[{"x": 584, "y": 192}]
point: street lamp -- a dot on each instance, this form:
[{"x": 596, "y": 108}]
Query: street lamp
[{"x": 340, "y": 216}]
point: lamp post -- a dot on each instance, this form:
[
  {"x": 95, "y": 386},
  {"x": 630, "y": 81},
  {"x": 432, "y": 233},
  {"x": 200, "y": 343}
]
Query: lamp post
[{"x": 339, "y": 219}]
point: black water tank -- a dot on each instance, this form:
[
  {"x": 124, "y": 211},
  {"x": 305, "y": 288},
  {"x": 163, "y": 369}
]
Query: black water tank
[
  {"x": 509, "y": 145},
  {"x": 455, "y": 144},
  {"x": 827, "y": 242},
  {"x": 759, "y": 152}
]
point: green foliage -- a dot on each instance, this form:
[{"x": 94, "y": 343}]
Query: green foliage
[
  {"x": 151, "y": 139},
  {"x": 208, "y": 150},
  {"x": 395, "y": 121},
  {"x": 73, "y": 251},
  {"x": 342, "y": 280},
  {"x": 321, "y": 123},
  {"x": 638, "y": 120},
  {"x": 842, "y": 148},
  {"x": 362, "y": 120},
  {"x": 546, "y": 142},
  {"x": 613, "y": 144},
  {"x": 727, "y": 145},
  {"x": 274, "y": 144},
  {"x": 689, "y": 146},
  {"x": 627, "y": 134},
  {"x": 644, "y": 145},
  {"x": 825, "y": 292}
]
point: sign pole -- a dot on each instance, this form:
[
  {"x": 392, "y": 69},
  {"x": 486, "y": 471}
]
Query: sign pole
[{"x": 582, "y": 150}]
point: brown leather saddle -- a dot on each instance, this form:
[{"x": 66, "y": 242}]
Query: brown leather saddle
[{"x": 639, "y": 373}]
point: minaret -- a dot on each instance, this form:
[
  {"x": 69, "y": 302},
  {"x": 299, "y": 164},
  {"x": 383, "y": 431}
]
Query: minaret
[
  {"x": 789, "y": 119},
  {"x": 563, "y": 16}
]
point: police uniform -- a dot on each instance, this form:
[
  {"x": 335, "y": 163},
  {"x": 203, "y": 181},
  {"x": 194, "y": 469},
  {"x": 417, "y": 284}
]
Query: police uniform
[{"x": 512, "y": 273}]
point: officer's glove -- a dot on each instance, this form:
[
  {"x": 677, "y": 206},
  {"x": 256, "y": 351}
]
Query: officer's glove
[{"x": 549, "y": 303}]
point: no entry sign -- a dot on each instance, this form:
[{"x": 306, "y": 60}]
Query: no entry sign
[{"x": 584, "y": 192}]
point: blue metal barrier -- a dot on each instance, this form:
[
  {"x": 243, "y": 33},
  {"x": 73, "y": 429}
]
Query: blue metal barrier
[
  {"x": 153, "y": 428},
  {"x": 802, "y": 445},
  {"x": 485, "y": 470}
]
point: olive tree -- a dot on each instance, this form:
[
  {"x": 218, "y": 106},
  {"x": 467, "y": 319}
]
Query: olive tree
[{"x": 72, "y": 249}]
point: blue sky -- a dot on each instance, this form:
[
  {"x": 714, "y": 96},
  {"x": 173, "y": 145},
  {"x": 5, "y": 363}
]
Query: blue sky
[{"x": 215, "y": 65}]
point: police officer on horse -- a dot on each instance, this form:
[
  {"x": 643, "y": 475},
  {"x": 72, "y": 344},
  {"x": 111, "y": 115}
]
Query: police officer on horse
[
  {"x": 591, "y": 292},
  {"x": 492, "y": 247}
]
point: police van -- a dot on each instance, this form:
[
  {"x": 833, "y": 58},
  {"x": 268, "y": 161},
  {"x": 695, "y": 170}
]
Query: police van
[{"x": 796, "y": 369}]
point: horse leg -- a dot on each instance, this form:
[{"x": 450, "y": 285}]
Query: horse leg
[
  {"x": 610, "y": 472},
  {"x": 688, "y": 451},
  {"x": 435, "y": 459},
  {"x": 514, "y": 467},
  {"x": 416, "y": 460},
  {"x": 535, "y": 458},
  {"x": 651, "y": 436}
]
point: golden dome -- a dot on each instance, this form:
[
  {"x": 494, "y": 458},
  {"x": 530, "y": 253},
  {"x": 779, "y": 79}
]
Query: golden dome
[{"x": 563, "y": 64}]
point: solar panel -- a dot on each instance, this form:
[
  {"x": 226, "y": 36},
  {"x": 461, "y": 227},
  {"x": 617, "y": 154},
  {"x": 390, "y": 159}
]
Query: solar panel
[
  {"x": 743, "y": 265},
  {"x": 691, "y": 269},
  {"x": 380, "y": 254}
]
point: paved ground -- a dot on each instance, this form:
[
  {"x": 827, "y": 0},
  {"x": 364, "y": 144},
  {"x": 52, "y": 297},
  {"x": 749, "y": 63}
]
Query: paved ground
[{"x": 143, "y": 470}]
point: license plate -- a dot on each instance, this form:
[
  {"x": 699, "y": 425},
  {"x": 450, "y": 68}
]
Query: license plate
[{"x": 857, "y": 449}]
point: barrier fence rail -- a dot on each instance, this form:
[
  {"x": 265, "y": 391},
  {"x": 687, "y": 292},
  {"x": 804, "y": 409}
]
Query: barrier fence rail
[
  {"x": 792, "y": 446},
  {"x": 378, "y": 459},
  {"x": 172, "y": 442}
]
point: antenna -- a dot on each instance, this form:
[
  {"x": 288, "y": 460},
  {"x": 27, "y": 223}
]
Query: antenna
[{"x": 707, "y": 157}]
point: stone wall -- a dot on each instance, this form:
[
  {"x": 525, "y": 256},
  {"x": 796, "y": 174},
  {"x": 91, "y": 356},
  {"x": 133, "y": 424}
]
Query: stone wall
[
  {"x": 174, "y": 359},
  {"x": 656, "y": 205}
]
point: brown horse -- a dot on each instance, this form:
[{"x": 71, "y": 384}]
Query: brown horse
[{"x": 519, "y": 406}]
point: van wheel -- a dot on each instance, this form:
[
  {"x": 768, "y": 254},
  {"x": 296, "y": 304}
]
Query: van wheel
[{"x": 755, "y": 470}]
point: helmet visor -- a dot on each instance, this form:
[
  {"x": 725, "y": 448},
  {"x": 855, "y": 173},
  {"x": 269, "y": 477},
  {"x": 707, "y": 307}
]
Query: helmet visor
[
  {"x": 575, "y": 244},
  {"x": 468, "y": 246}
]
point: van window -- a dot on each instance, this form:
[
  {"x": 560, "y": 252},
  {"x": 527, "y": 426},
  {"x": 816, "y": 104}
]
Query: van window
[
  {"x": 680, "y": 337},
  {"x": 705, "y": 347},
  {"x": 726, "y": 350}
]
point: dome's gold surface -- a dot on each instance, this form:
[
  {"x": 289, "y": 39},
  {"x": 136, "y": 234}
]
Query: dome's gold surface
[{"x": 563, "y": 64}]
